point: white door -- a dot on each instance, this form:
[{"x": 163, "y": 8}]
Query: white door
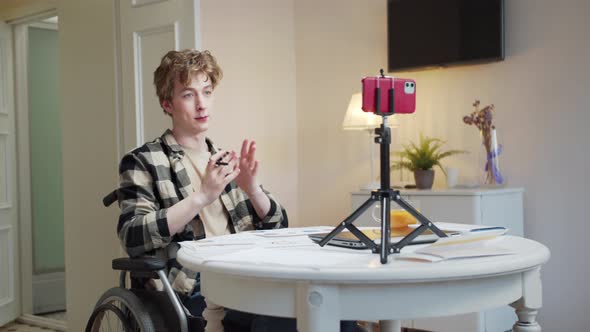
[
  {"x": 148, "y": 29},
  {"x": 9, "y": 286}
]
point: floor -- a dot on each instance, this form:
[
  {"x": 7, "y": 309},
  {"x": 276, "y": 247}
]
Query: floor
[
  {"x": 59, "y": 315},
  {"x": 22, "y": 327},
  {"x": 19, "y": 327}
]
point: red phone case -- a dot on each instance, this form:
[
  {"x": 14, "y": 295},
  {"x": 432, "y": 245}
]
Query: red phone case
[{"x": 404, "y": 94}]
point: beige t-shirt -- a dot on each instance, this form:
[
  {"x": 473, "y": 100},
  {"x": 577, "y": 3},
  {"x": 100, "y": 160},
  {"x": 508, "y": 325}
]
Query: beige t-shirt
[
  {"x": 214, "y": 217},
  {"x": 216, "y": 223}
]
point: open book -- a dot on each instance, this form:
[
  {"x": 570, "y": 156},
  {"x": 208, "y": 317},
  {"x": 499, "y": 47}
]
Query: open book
[{"x": 475, "y": 243}]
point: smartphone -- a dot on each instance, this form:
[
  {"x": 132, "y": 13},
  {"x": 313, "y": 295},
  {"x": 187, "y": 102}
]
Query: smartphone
[{"x": 404, "y": 94}]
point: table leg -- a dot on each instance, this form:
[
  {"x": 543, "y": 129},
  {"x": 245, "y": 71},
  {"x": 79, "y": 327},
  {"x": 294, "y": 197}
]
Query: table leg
[
  {"x": 529, "y": 304},
  {"x": 317, "y": 308},
  {"x": 390, "y": 326}
]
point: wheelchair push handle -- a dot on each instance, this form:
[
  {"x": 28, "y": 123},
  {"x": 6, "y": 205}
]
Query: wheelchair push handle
[{"x": 111, "y": 198}]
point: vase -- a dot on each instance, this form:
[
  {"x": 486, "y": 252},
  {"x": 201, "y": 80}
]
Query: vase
[
  {"x": 491, "y": 163},
  {"x": 424, "y": 178}
]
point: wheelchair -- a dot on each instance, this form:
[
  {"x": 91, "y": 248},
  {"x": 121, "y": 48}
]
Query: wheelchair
[{"x": 136, "y": 308}]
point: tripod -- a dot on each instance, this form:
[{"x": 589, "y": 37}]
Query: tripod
[{"x": 384, "y": 195}]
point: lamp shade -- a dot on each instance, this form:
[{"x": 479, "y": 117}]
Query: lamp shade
[{"x": 357, "y": 119}]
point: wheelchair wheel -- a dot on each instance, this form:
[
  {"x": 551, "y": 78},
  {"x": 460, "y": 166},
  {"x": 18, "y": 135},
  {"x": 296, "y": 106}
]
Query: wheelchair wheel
[
  {"x": 108, "y": 317},
  {"x": 119, "y": 310}
]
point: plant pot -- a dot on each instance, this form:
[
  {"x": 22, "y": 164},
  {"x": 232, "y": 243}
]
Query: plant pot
[{"x": 424, "y": 178}]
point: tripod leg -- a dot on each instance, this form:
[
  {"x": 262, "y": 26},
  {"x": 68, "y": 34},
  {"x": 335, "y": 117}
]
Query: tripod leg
[
  {"x": 361, "y": 236},
  {"x": 408, "y": 238},
  {"x": 385, "y": 229},
  {"x": 421, "y": 218},
  {"x": 367, "y": 204}
]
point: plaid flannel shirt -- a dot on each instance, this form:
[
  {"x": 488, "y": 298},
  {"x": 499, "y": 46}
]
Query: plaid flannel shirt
[{"x": 152, "y": 178}]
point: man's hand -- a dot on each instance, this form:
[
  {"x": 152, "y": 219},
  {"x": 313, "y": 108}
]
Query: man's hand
[
  {"x": 248, "y": 165},
  {"x": 217, "y": 177}
]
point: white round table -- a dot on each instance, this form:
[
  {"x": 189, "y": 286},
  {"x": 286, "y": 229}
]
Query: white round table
[{"x": 355, "y": 286}]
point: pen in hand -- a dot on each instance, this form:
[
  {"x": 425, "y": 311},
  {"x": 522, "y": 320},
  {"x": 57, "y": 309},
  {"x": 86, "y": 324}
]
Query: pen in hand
[{"x": 219, "y": 161}]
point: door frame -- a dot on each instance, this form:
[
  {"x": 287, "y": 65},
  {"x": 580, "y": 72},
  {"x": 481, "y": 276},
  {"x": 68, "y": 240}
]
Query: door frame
[
  {"x": 10, "y": 300},
  {"x": 20, "y": 31}
]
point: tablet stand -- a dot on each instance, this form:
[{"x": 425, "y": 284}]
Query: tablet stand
[{"x": 384, "y": 195}]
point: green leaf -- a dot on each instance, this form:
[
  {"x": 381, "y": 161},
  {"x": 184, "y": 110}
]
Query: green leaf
[{"x": 424, "y": 155}]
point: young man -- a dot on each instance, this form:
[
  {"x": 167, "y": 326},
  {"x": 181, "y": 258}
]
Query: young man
[{"x": 180, "y": 187}]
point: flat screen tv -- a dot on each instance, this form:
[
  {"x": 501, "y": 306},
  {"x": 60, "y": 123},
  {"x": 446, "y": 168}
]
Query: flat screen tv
[{"x": 435, "y": 33}]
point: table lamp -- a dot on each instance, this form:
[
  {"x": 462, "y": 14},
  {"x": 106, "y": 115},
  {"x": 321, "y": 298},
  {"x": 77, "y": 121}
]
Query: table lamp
[{"x": 356, "y": 119}]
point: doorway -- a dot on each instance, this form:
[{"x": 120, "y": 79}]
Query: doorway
[{"x": 41, "y": 220}]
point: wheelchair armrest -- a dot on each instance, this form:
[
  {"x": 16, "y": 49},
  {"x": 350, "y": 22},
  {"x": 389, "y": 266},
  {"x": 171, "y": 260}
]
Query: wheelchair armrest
[{"x": 140, "y": 264}]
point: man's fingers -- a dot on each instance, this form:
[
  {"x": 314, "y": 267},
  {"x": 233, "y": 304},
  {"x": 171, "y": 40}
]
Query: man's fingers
[
  {"x": 244, "y": 149},
  {"x": 219, "y": 159},
  {"x": 231, "y": 176},
  {"x": 252, "y": 152},
  {"x": 255, "y": 168},
  {"x": 221, "y": 171},
  {"x": 232, "y": 163},
  {"x": 224, "y": 170},
  {"x": 218, "y": 155}
]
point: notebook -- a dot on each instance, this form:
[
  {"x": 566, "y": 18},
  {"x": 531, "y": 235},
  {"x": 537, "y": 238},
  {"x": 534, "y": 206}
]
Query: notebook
[{"x": 348, "y": 240}]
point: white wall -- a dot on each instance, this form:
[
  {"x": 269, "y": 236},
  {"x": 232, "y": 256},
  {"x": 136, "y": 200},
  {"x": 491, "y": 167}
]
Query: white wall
[
  {"x": 253, "y": 42},
  {"x": 541, "y": 95},
  {"x": 89, "y": 150},
  {"x": 337, "y": 43}
]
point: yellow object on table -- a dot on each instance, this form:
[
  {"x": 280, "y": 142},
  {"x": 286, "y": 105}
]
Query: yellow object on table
[{"x": 401, "y": 218}]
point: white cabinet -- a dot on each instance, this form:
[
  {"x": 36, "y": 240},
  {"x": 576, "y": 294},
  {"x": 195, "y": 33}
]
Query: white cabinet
[{"x": 493, "y": 207}]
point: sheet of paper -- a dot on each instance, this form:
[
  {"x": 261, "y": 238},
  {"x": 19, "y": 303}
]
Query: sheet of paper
[
  {"x": 314, "y": 258},
  {"x": 287, "y": 232},
  {"x": 213, "y": 247},
  {"x": 474, "y": 235},
  {"x": 460, "y": 227},
  {"x": 467, "y": 245},
  {"x": 210, "y": 251}
]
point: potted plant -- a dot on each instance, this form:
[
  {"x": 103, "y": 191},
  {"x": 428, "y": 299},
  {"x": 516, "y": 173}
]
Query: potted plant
[{"x": 421, "y": 158}]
